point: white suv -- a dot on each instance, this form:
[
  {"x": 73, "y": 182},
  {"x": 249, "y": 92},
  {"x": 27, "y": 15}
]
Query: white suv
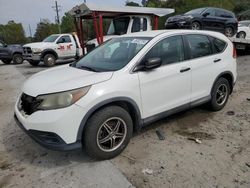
[{"x": 123, "y": 85}]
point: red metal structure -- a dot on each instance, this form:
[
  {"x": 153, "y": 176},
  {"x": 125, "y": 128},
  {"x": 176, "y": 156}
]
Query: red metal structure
[{"x": 100, "y": 12}]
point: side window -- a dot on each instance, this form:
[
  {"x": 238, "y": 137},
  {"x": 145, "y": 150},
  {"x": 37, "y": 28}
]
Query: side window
[
  {"x": 199, "y": 45},
  {"x": 136, "y": 27},
  {"x": 170, "y": 50},
  {"x": 219, "y": 45},
  {"x": 211, "y": 12},
  {"x": 64, "y": 39},
  {"x": 145, "y": 24}
]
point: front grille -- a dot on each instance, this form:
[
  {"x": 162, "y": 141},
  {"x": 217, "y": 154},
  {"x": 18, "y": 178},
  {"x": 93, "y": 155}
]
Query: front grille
[
  {"x": 29, "y": 104},
  {"x": 27, "y": 50}
]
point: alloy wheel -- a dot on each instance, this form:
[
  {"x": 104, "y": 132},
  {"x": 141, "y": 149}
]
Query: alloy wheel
[
  {"x": 196, "y": 26},
  {"x": 221, "y": 94},
  {"x": 111, "y": 134}
]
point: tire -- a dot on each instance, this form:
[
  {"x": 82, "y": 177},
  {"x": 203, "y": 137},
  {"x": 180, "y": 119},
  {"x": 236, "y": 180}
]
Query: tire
[
  {"x": 220, "y": 94},
  {"x": 17, "y": 58},
  {"x": 241, "y": 35},
  {"x": 96, "y": 132},
  {"x": 6, "y": 61},
  {"x": 229, "y": 32},
  {"x": 196, "y": 26},
  {"x": 49, "y": 60},
  {"x": 34, "y": 63}
]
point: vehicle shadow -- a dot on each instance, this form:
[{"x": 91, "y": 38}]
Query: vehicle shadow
[{"x": 21, "y": 148}]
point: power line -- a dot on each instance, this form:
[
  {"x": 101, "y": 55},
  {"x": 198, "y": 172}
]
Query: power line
[{"x": 57, "y": 8}]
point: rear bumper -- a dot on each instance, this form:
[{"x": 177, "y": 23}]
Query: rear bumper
[{"x": 48, "y": 139}]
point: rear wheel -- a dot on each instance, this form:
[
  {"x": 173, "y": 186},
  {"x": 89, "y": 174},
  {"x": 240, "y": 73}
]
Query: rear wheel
[
  {"x": 241, "y": 35},
  {"x": 17, "y": 58},
  {"x": 6, "y": 61},
  {"x": 49, "y": 60},
  {"x": 108, "y": 132},
  {"x": 220, "y": 94},
  {"x": 34, "y": 63},
  {"x": 229, "y": 32},
  {"x": 196, "y": 26}
]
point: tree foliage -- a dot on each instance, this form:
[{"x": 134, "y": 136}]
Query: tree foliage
[
  {"x": 12, "y": 33},
  {"x": 67, "y": 24},
  {"x": 44, "y": 29},
  {"x": 131, "y": 3}
]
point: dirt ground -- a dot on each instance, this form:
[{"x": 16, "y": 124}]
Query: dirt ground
[
  {"x": 201, "y": 148},
  {"x": 222, "y": 159}
]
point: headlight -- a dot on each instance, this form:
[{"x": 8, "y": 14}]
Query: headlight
[
  {"x": 189, "y": 17},
  {"x": 61, "y": 100},
  {"x": 36, "y": 50}
]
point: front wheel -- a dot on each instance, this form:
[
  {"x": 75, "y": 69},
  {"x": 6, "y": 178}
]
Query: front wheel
[
  {"x": 241, "y": 35},
  {"x": 17, "y": 58},
  {"x": 108, "y": 132},
  {"x": 49, "y": 60},
  {"x": 219, "y": 94},
  {"x": 196, "y": 26}
]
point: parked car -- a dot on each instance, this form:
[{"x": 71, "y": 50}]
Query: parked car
[
  {"x": 123, "y": 85},
  {"x": 244, "y": 29},
  {"x": 10, "y": 53},
  {"x": 207, "y": 18},
  {"x": 54, "y": 47}
]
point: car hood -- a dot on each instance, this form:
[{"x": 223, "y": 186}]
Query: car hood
[
  {"x": 179, "y": 17},
  {"x": 62, "y": 78},
  {"x": 38, "y": 44}
]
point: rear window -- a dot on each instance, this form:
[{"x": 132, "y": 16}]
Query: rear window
[
  {"x": 199, "y": 46},
  {"x": 219, "y": 45}
]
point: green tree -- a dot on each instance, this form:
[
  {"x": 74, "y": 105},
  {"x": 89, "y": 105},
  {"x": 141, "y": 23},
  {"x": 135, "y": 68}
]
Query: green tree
[
  {"x": 131, "y": 3},
  {"x": 67, "y": 25},
  {"x": 12, "y": 33},
  {"x": 44, "y": 29}
]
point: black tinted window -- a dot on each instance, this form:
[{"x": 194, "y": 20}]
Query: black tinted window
[
  {"x": 210, "y": 12},
  {"x": 136, "y": 25},
  {"x": 64, "y": 39},
  {"x": 199, "y": 45},
  {"x": 145, "y": 24},
  {"x": 170, "y": 50},
  {"x": 219, "y": 45}
]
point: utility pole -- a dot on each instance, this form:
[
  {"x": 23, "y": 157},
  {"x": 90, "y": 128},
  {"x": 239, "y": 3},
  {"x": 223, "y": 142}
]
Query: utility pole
[
  {"x": 30, "y": 31},
  {"x": 57, "y": 9}
]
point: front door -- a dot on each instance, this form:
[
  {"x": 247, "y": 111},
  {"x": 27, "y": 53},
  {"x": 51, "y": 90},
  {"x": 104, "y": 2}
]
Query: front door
[
  {"x": 66, "y": 47},
  {"x": 168, "y": 86}
]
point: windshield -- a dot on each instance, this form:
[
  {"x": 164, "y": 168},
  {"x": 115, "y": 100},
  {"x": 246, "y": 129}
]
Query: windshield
[
  {"x": 119, "y": 26},
  {"x": 195, "y": 11},
  {"x": 51, "y": 38},
  {"x": 244, "y": 23},
  {"x": 112, "y": 55}
]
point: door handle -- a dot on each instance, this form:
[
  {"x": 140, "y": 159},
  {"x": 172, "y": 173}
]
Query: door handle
[
  {"x": 185, "y": 69},
  {"x": 217, "y": 60}
]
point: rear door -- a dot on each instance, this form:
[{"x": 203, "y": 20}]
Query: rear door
[
  {"x": 206, "y": 63},
  {"x": 168, "y": 86},
  {"x": 66, "y": 46},
  {"x": 4, "y": 51},
  {"x": 221, "y": 17}
]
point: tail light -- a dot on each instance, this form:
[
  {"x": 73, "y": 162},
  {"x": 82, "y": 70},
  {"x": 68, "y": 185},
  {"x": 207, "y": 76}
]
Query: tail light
[{"x": 234, "y": 52}]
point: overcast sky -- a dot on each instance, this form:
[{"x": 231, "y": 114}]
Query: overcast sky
[{"x": 31, "y": 11}]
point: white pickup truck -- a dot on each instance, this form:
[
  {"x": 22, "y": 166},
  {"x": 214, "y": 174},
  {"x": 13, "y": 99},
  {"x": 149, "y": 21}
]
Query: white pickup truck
[{"x": 53, "y": 48}]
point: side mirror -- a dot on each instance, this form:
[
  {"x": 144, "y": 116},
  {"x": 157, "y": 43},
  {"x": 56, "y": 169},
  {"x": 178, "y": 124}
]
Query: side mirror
[
  {"x": 205, "y": 14},
  {"x": 5, "y": 45},
  {"x": 149, "y": 64},
  {"x": 153, "y": 63}
]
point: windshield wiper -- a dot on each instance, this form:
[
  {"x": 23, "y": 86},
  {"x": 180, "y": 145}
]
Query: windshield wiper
[{"x": 88, "y": 68}]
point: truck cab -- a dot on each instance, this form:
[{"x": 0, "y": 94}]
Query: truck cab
[
  {"x": 123, "y": 25},
  {"x": 54, "y": 47}
]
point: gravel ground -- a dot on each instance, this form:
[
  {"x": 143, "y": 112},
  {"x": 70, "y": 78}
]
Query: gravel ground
[{"x": 201, "y": 148}]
